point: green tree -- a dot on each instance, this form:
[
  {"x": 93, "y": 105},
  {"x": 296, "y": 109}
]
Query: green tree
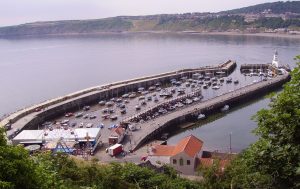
[{"x": 273, "y": 161}]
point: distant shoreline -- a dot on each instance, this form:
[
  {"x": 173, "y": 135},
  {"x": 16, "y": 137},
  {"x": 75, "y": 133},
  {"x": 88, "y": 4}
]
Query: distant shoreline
[
  {"x": 273, "y": 35},
  {"x": 292, "y": 36}
]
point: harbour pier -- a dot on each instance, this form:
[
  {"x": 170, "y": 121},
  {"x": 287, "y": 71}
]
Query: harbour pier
[
  {"x": 34, "y": 116},
  {"x": 154, "y": 127}
]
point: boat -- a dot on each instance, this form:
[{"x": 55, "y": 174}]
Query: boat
[
  {"x": 214, "y": 79},
  {"x": 220, "y": 73},
  {"x": 229, "y": 80},
  {"x": 137, "y": 107},
  {"x": 102, "y": 103},
  {"x": 236, "y": 81},
  {"x": 206, "y": 78},
  {"x": 123, "y": 111},
  {"x": 196, "y": 99},
  {"x": 216, "y": 87},
  {"x": 225, "y": 108},
  {"x": 214, "y": 83},
  {"x": 113, "y": 117},
  {"x": 201, "y": 116},
  {"x": 221, "y": 79},
  {"x": 105, "y": 116},
  {"x": 133, "y": 95},
  {"x": 187, "y": 84},
  {"x": 109, "y": 103},
  {"x": 205, "y": 86},
  {"x": 157, "y": 84},
  {"x": 141, "y": 97},
  {"x": 149, "y": 98},
  {"x": 181, "y": 91},
  {"x": 125, "y": 95},
  {"x": 152, "y": 88},
  {"x": 79, "y": 114}
]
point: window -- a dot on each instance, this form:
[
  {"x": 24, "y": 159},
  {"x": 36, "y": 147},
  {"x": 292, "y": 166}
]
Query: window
[
  {"x": 181, "y": 161},
  {"x": 188, "y": 162},
  {"x": 174, "y": 161}
]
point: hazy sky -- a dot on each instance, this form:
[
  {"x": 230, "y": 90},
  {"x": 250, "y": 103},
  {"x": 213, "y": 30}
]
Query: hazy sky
[{"x": 22, "y": 11}]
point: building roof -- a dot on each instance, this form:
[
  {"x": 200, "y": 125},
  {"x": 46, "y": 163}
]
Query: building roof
[
  {"x": 37, "y": 136},
  {"x": 163, "y": 150},
  {"x": 190, "y": 145},
  {"x": 119, "y": 131},
  {"x": 208, "y": 162}
]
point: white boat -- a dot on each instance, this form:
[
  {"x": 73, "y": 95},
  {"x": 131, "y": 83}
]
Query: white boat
[
  {"x": 125, "y": 95},
  {"x": 201, "y": 116},
  {"x": 133, "y": 95},
  {"x": 141, "y": 97},
  {"x": 131, "y": 127},
  {"x": 109, "y": 103},
  {"x": 216, "y": 87},
  {"x": 102, "y": 103},
  {"x": 225, "y": 108},
  {"x": 196, "y": 99},
  {"x": 137, "y": 107}
]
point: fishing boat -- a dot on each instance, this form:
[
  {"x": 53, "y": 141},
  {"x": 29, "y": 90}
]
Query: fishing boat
[
  {"x": 216, "y": 87},
  {"x": 225, "y": 108}
]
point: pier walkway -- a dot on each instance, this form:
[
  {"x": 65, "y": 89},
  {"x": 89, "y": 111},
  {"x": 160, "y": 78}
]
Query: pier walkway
[{"x": 150, "y": 128}]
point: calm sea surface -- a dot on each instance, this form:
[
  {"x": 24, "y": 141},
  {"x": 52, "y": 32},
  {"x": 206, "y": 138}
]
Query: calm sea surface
[{"x": 36, "y": 69}]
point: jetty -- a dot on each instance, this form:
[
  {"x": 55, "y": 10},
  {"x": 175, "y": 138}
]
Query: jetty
[{"x": 154, "y": 127}]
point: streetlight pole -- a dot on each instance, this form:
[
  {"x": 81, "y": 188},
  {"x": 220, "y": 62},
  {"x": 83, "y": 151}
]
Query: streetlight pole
[{"x": 230, "y": 149}]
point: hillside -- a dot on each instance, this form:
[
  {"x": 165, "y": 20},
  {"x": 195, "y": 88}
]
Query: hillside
[
  {"x": 279, "y": 15},
  {"x": 279, "y": 7}
]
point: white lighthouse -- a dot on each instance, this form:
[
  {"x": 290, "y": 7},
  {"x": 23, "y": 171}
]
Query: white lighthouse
[{"x": 275, "y": 61}]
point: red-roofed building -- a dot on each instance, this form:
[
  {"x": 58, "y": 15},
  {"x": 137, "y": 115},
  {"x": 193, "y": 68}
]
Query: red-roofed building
[
  {"x": 182, "y": 156},
  {"x": 117, "y": 135}
]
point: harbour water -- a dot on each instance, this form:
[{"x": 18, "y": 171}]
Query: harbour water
[{"x": 36, "y": 69}]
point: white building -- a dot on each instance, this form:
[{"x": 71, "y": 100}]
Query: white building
[
  {"x": 70, "y": 135},
  {"x": 183, "y": 156}
]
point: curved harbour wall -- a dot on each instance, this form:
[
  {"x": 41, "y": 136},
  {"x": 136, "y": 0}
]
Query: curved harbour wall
[{"x": 30, "y": 119}]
